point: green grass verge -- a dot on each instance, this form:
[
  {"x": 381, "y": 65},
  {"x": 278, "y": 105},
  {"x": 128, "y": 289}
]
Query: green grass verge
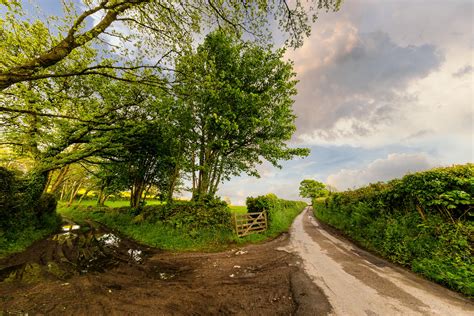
[
  {"x": 22, "y": 240},
  {"x": 160, "y": 235},
  {"x": 18, "y": 241},
  {"x": 155, "y": 234}
]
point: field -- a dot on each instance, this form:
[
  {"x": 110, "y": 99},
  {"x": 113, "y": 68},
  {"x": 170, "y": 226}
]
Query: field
[{"x": 238, "y": 209}]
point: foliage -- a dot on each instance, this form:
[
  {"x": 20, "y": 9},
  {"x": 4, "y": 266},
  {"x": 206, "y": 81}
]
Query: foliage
[
  {"x": 281, "y": 213},
  {"x": 258, "y": 204},
  {"x": 312, "y": 189},
  {"x": 184, "y": 225},
  {"x": 237, "y": 101},
  {"x": 23, "y": 220},
  {"x": 412, "y": 221},
  {"x": 150, "y": 32},
  {"x": 176, "y": 226}
]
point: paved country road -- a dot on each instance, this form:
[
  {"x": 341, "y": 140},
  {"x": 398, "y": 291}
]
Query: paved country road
[{"x": 358, "y": 283}]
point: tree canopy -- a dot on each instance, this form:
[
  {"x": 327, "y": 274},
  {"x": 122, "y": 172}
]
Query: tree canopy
[
  {"x": 93, "y": 84},
  {"x": 239, "y": 106},
  {"x": 131, "y": 35},
  {"x": 312, "y": 189}
]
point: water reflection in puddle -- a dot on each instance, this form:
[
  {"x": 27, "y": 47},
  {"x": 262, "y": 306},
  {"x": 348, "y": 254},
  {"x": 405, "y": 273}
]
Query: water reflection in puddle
[
  {"x": 109, "y": 240},
  {"x": 75, "y": 250},
  {"x": 135, "y": 254},
  {"x": 67, "y": 228}
]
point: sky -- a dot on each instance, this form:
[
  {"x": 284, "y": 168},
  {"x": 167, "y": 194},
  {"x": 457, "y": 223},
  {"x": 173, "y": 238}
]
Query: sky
[{"x": 385, "y": 88}]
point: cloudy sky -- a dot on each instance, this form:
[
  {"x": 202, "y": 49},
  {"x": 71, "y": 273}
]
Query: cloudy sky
[{"x": 386, "y": 88}]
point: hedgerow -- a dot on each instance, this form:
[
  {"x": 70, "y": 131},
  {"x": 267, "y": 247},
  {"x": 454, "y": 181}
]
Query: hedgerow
[
  {"x": 23, "y": 219},
  {"x": 423, "y": 221}
]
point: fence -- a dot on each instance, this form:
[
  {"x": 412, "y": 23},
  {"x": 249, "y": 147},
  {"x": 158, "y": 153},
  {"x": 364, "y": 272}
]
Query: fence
[{"x": 246, "y": 224}]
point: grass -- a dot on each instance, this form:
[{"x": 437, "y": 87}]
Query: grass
[
  {"x": 155, "y": 234},
  {"x": 109, "y": 203},
  {"x": 160, "y": 235},
  {"x": 19, "y": 240},
  {"x": 23, "y": 240},
  {"x": 238, "y": 209}
]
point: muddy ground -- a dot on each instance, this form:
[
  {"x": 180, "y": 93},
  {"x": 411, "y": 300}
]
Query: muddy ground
[{"x": 97, "y": 272}]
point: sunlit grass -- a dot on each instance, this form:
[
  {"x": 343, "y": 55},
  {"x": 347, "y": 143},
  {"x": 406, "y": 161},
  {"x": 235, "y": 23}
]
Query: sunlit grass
[
  {"x": 160, "y": 235},
  {"x": 238, "y": 209},
  {"x": 109, "y": 203}
]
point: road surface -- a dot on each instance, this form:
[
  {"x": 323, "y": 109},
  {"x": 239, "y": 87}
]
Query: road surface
[{"x": 358, "y": 283}]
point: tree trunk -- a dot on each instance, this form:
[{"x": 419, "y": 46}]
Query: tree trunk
[
  {"x": 101, "y": 198},
  {"x": 74, "y": 193},
  {"x": 173, "y": 181},
  {"x": 60, "y": 179},
  {"x": 36, "y": 184},
  {"x": 136, "y": 194}
]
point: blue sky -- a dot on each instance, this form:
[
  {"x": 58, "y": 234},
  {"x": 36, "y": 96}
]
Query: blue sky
[{"x": 385, "y": 88}]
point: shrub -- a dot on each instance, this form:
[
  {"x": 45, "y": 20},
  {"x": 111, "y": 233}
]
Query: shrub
[
  {"x": 422, "y": 221},
  {"x": 46, "y": 205},
  {"x": 23, "y": 219},
  {"x": 281, "y": 213}
]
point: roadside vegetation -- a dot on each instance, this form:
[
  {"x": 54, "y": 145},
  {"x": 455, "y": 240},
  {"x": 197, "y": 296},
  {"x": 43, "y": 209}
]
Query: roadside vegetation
[
  {"x": 423, "y": 221},
  {"x": 81, "y": 118},
  {"x": 22, "y": 219},
  {"x": 189, "y": 225}
]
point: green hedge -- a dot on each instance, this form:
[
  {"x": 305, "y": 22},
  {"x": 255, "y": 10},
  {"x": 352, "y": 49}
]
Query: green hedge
[
  {"x": 423, "y": 221},
  {"x": 22, "y": 218},
  {"x": 281, "y": 213},
  {"x": 179, "y": 225}
]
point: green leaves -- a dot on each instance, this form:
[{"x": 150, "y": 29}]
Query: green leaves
[
  {"x": 312, "y": 189},
  {"x": 423, "y": 220},
  {"x": 239, "y": 100}
]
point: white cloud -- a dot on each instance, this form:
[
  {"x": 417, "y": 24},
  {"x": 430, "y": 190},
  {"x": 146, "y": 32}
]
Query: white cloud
[{"x": 394, "y": 166}]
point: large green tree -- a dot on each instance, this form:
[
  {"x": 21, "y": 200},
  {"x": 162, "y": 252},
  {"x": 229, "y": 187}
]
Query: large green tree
[
  {"x": 312, "y": 189},
  {"x": 238, "y": 97}
]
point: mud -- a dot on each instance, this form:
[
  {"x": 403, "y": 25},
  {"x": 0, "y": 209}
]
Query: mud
[
  {"x": 74, "y": 250},
  {"x": 93, "y": 271}
]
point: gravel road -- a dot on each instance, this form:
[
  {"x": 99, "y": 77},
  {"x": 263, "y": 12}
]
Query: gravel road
[{"x": 358, "y": 283}]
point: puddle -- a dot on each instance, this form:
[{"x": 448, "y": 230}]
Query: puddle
[
  {"x": 74, "y": 250},
  {"x": 166, "y": 276},
  {"x": 109, "y": 240},
  {"x": 67, "y": 228}
]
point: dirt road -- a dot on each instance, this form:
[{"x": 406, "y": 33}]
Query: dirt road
[
  {"x": 358, "y": 283},
  {"x": 99, "y": 272}
]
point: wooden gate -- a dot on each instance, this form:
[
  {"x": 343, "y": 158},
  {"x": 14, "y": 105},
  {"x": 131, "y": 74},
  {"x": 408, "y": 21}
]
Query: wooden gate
[{"x": 246, "y": 224}]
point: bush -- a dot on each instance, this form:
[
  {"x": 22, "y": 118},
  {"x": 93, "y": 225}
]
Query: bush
[
  {"x": 281, "y": 213},
  {"x": 46, "y": 205},
  {"x": 211, "y": 213},
  {"x": 23, "y": 219},
  {"x": 176, "y": 226},
  {"x": 258, "y": 204},
  {"x": 422, "y": 221}
]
